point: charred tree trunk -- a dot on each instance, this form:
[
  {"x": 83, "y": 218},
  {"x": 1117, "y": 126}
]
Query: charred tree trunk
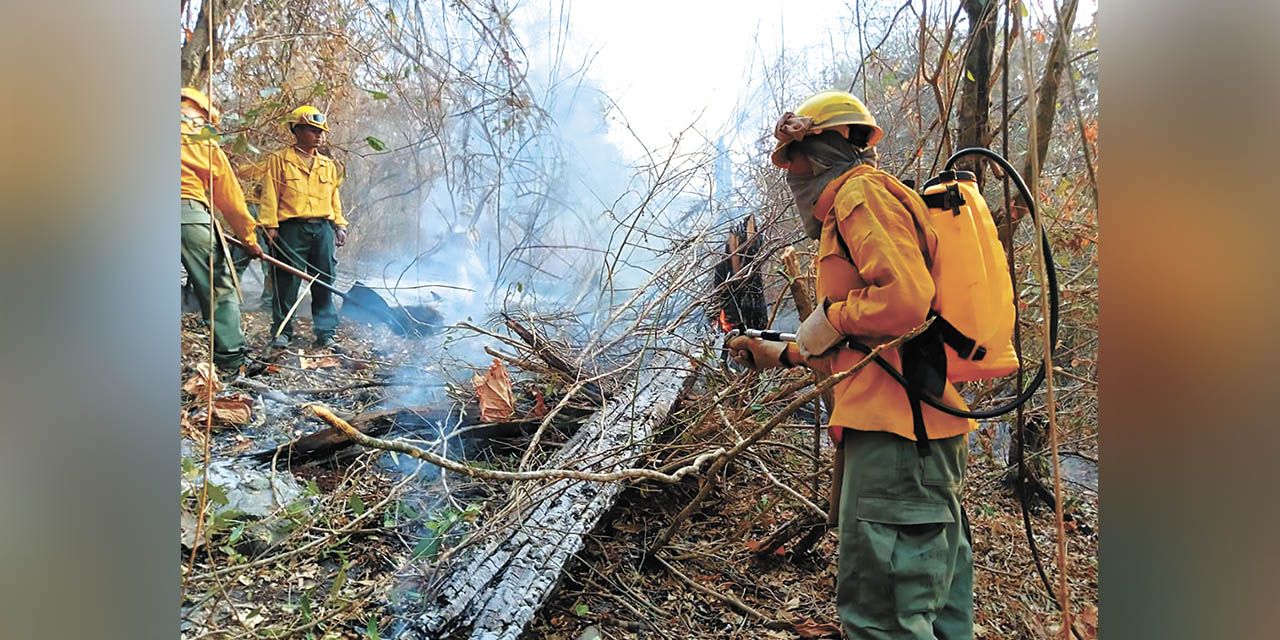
[
  {"x": 1033, "y": 437},
  {"x": 496, "y": 591},
  {"x": 739, "y": 287}
]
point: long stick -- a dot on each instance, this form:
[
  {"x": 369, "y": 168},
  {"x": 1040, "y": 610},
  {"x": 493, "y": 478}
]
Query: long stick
[
  {"x": 1064, "y": 594},
  {"x": 203, "y": 501},
  {"x": 292, "y": 269}
]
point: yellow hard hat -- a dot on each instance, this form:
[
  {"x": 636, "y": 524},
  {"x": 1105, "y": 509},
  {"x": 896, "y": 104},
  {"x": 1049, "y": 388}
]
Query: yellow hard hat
[
  {"x": 829, "y": 109},
  {"x": 198, "y": 97},
  {"x": 307, "y": 114}
]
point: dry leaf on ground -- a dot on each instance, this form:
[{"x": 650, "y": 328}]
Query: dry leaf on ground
[
  {"x": 1086, "y": 623},
  {"x": 234, "y": 409},
  {"x": 494, "y": 391},
  {"x": 811, "y": 629},
  {"x": 198, "y": 385},
  {"x": 319, "y": 362}
]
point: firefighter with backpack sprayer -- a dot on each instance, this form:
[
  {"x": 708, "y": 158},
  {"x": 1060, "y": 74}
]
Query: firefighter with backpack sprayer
[{"x": 886, "y": 262}]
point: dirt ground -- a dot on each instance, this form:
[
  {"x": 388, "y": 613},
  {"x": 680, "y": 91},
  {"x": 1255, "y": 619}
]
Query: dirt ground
[{"x": 344, "y": 557}]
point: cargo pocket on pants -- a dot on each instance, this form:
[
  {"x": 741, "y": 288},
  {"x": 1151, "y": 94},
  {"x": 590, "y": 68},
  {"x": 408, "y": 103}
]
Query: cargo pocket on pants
[{"x": 910, "y": 537}]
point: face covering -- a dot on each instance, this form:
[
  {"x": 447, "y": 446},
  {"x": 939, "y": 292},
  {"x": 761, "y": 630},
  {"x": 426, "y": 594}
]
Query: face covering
[{"x": 831, "y": 155}]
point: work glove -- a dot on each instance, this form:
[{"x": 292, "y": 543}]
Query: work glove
[
  {"x": 816, "y": 334},
  {"x": 757, "y": 354},
  {"x": 340, "y": 237}
]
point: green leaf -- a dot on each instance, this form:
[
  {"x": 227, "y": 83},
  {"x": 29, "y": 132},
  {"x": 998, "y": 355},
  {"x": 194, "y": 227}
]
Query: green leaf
[
  {"x": 428, "y": 547},
  {"x": 1023, "y": 7},
  {"x": 312, "y": 487},
  {"x": 236, "y": 533},
  {"x": 216, "y": 494},
  {"x": 206, "y": 133},
  {"x": 581, "y": 610},
  {"x": 240, "y": 144},
  {"x": 377, "y": 95},
  {"x": 375, "y": 143},
  {"x": 371, "y": 629},
  {"x": 395, "y": 458},
  {"x": 338, "y": 582},
  {"x": 357, "y": 505},
  {"x": 969, "y": 74}
]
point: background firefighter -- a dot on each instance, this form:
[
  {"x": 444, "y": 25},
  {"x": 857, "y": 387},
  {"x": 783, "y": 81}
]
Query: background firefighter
[
  {"x": 302, "y": 214},
  {"x": 905, "y": 565}
]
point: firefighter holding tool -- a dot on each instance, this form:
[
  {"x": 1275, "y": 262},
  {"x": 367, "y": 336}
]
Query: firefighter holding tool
[
  {"x": 905, "y": 566},
  {"x": 302, "y": 215},
  {"x": 207, "y": 180}
]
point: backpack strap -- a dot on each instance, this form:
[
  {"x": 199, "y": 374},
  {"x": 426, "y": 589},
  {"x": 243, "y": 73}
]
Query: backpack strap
[{"x": 924, "y": 365}]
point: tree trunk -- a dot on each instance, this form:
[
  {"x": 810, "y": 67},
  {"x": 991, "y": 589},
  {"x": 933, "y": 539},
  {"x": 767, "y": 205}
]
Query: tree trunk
[
  {"x": 975, "y": 98},
  {"x": 1047, "y": 92},
  {"x": 1046, "y": 109},
  {"x": 495, "y": 591},
  {"x": 195, "y": 51}
]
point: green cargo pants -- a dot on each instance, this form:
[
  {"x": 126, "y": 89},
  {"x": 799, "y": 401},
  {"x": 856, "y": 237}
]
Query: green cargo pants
[
  {"x": 306, "y": 244},
  {"x": 197, "y": 242},
  {"x": 242, "y": 260},
  {"x": 906, "y": 565}
]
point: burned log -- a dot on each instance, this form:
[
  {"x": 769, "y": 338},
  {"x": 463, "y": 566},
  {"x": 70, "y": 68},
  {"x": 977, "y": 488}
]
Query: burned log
[{"x": 495, "y": 592}]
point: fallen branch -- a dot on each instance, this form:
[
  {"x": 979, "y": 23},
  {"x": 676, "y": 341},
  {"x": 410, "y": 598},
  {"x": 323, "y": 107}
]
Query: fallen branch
[
  {"x": 723, "y": 597},
  {"x": 487, "y": 474}
]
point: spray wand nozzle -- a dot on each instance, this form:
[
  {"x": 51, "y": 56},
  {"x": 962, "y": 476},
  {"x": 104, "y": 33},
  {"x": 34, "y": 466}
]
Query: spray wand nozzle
[{"x": 763, "y": 334}]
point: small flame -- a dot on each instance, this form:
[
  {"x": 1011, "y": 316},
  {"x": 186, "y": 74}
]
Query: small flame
[{"x": 724, "y": 322}]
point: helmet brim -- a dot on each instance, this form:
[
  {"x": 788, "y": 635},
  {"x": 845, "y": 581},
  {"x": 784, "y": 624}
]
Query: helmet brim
[{"x": 322, "y": 127}]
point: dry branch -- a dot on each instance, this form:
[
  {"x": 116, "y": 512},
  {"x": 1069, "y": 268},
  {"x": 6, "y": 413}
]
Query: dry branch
[{"x": 764, "y": 430}]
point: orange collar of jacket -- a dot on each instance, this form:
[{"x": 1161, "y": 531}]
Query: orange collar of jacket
[{"x": 827, "y": 198}]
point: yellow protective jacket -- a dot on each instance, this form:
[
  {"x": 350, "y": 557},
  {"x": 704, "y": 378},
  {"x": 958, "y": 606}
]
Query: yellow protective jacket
[
  {"x": 291, "y": 188},
  {"x": 202, "y": 161},
  {"x": 251, "y": 177},
  {"x": 880, "y": 291}
]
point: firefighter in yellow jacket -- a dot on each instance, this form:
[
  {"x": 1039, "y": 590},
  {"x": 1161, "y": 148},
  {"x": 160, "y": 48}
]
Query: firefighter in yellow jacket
[
  {"x": 905, "y": 565},
  {"x": 250, "y": 174},
  {"x": 302, "y": 215},
  {"x": 207, "y": 178}
]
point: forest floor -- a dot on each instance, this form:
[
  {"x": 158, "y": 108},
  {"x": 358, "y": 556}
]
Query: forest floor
[{"x": 340, "y": 548}]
